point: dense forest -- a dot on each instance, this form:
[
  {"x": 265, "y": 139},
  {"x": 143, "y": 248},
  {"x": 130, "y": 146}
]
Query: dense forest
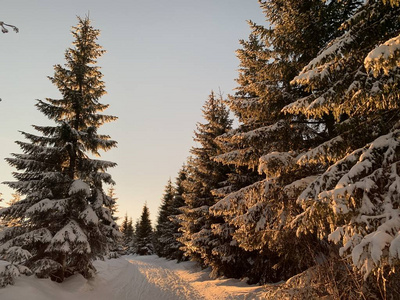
[
  {"x": 305, "y": 187},
  {"x": 308, "y": 182}
]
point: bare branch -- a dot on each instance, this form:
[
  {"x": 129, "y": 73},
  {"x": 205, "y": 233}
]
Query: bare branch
[{"x": 5, "y": 30}]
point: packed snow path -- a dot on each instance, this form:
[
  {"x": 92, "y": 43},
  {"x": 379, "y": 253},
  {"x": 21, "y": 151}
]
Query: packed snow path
[{"x": 135, "y": 278}]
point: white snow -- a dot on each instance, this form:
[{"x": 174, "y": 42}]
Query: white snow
[
  {"x": 89, "y": 216},
  {"x": 46, "y": 205},
  {"x": 293, "y": 189},
  {"x": 322, "y": 64},
  {"x": 68, "y": 238},
  {"x": 274, "y": 162},
  {"x": 77, "y": 186},
  {"x": 135, "y": 278},
  {"x": 378, "y": 58}
]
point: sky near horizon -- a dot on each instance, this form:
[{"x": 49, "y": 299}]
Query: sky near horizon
[{"x": 163, "y": 59}]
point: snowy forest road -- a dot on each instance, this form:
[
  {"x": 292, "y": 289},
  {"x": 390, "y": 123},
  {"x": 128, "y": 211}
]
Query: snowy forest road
[
  {"x": 151, "y": 277},
  {"x": 142, "y": 278},
  {"x": 135, "y": 278}
]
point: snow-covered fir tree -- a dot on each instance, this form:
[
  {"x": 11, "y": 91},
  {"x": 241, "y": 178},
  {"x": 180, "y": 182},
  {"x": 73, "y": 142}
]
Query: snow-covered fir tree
[
  {"x": 178, "y": 202},
  {"x": 354, "y": 200},
  {"x": 114, "y": 206},
  {"x": 115, "y": 247},
  {"x": 64, "y": 216},
  {"x": 164, "y": 233},
  {"x": 128, "y": 233},
  {"x": 269, "y": 141},
  {"x": 133, "y": 249},
  {"x": 167, "y": 230},
  {"x": 203, "y": 176},
  {"x": 144, "y": 234}
]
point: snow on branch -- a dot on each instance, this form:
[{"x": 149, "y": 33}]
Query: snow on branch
[
  {"x": 321, "y": 66},
  {"x": 79, "y": 186},
  {"x": 17, "y": 255},
  {"x": 385, "y": 57},
  {"x": 275, "y": 163},
  {"x": 45, "y": 205},
  {"x": 323, "y": 152},
  {"x": 237, "y": 201},
  {"x": 70, "y": 238},
  {"x": 89, "y": 216},
  {"x": 42, "y": 235},
  {"x": 262, "y": 132},
  {"x": 293, "y": 189},
  {"x": 298, "y": 106},
  {"x": 358, "y": 197},
  {"x": 240, "y": 157}
]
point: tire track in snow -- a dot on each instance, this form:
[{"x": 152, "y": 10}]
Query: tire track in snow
[
  {"x": 185, "y": 281},
  {"x": 164, "y": 281}
]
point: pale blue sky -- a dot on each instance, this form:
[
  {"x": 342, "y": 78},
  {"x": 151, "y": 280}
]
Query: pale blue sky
[{"x": 163, "y": 59}]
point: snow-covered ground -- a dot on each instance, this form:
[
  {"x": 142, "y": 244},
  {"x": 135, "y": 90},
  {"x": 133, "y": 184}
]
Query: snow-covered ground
[{"x": 134, "y": 278}]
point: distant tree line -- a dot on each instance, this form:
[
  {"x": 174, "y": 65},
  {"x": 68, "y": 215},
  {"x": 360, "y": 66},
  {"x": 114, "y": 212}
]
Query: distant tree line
[{"x": 138, "y": 238}]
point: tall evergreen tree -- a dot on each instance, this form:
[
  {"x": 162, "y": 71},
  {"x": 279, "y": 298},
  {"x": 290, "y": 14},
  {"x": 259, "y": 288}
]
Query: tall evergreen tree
[
  {"x": 269, "y": 141},
  {"x": 354, "y": 200},
  {"x": 163, "y": 233},
  {"x": 115, "y": 246},
  {"x": 167, "y": 229},
  {"x": 144, "y": 233},
  {"x": 127, "y": 231},
  {"x": 114, "y": 206},
  {"x": 203, "y": 176},
  {"x": 177, "y": 203},
  {"x": 65, "y": 216}
]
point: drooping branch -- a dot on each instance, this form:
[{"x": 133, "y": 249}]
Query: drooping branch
[{"x": 5, "y": 30}]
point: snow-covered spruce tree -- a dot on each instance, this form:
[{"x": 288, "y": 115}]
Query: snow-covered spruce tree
[
  {"x": 127, "y": 232},
  {"x": 115, "y": 247},
  {"x": 177, "y": 203},
  {"x": 114, "y": 206},
  {"x": 64, "y": 217},
  {"x": 133, "y": 249},
  {"x": 355, "y": 201},
  {"x": 269, "y": 141},
  {"x": 167, "y": 230},
  {"x": 203, "y": 176},
  {"x": 163, "y": 235},
  {"x": 144, "y": 234}
]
